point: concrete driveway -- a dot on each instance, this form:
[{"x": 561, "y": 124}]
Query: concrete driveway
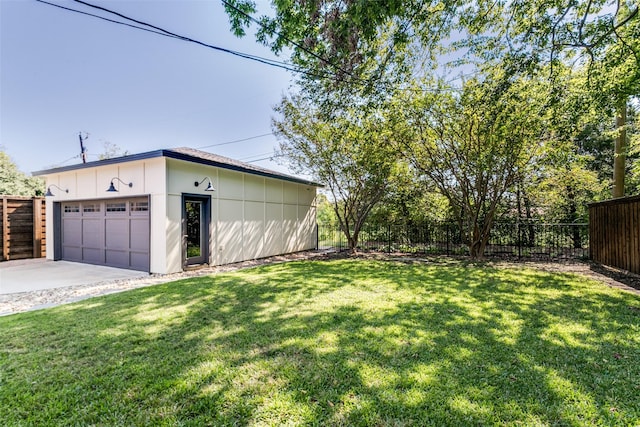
[{"x": 37, "y": 274}]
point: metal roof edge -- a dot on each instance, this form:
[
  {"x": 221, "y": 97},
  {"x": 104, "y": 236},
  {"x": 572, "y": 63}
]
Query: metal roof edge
[
  {"x": 106, "y": 162},
  {"x": 168, "y": 153},
  {"x": 194, "y": 159}
]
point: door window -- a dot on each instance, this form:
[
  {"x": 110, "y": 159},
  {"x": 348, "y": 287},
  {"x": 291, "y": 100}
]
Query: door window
[{"x": 193, "y": 211}]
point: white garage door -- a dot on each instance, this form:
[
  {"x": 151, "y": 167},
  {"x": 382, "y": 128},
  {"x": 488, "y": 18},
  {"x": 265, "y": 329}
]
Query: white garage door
[{"x": 112, "y": 232}]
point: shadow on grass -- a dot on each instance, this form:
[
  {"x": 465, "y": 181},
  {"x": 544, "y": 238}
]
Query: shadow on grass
[{"x": 332, "y": 343}]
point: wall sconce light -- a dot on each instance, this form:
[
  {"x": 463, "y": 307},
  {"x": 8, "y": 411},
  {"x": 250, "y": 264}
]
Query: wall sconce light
[
  {"x": 209, "y": 187},
  {"x": 50, "y": 194},
  {"x": 112, "y": 188}
]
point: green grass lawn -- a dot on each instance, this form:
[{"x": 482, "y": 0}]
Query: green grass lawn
[{"x": 340, "y": 342}]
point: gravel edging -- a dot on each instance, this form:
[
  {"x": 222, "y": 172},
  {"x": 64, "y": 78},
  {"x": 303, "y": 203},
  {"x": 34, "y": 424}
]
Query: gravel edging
[
  {"x": 45, "y": 298},
  {"x": 35, "y": 300}
]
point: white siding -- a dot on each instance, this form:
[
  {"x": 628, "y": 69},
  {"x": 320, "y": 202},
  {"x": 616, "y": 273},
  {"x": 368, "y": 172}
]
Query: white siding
[
  {"x": 230, "y": 232},
  {"x": 256, "y": 217},
  {"x": 251, "y": 216}
]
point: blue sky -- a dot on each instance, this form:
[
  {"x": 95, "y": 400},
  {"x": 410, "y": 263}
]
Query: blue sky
[{"x": 63, "y": 73}]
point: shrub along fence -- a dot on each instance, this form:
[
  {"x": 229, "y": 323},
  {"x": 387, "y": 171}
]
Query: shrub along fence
[
  {"x": 614, "y": 226},
  {"x": 510, "y": 240},
  {"x": 23, "y": 227}
]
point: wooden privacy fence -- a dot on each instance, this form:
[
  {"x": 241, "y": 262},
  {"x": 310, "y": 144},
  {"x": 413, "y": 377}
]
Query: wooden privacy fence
[
  {"x": 23, "y": 227},
  {"x": 614, "y": 233}
]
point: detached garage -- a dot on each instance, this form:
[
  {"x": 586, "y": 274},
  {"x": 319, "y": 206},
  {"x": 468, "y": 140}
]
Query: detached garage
[{"x": 166, "y": 210}]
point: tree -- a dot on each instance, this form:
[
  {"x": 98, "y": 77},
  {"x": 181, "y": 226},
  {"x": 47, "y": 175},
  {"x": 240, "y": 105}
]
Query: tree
[
  {"x": 410, "y": 200},
  {"x": 598, "y": 37},
  {"x": 337, "y": 40},
  {"x": 575, "y": 167},
  {"x": 111, "y": 150},
  {"x": 374, "y": 52},
  {"x": 15, "y": 183},
  {"x": 325, "y": 213},
  {"x": 634, "y": 150},
  {"x": 348, "y": 152},
  {"x": 472, "y": 145}
]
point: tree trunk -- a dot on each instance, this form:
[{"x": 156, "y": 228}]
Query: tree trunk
[
  {"x": 353, "y": 246},
  {"x": 478, "y": 241},
  {"x": 353, "y": 238},
  {"x": 619, "y": 159}
]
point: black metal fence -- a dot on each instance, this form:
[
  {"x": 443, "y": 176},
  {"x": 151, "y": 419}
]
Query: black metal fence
[{"x": 511, "y": 240}]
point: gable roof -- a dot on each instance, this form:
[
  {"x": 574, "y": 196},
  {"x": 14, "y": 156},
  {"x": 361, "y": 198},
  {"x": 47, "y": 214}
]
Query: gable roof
[{"x": 189, "y": 155}]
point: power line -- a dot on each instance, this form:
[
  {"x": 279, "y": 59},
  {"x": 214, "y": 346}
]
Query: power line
[
  {"x": 272, "y": 62},
  {"x": 65, "y": 161},
  {"x": 244, "y": 159},
  {"x": 266, "y": 158},
  {"x": 235, "y": 141},
  {"x": 102, "y": 17},
  {"x": 304, "y": 49},
  {"x": 299, "y": 46},
  {"x": 160, "y": 31}
]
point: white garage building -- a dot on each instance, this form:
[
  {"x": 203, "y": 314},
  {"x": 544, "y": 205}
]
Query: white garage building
[{"x": 165, "y": 210}]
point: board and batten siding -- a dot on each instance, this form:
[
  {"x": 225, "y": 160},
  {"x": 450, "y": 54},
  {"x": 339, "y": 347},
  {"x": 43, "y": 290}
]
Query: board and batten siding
[
  {"x": 251, "y": 216},
  {"x": 614, "y": 233}
]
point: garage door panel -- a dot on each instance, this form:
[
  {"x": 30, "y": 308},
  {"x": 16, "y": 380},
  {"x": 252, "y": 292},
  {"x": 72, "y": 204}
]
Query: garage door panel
[
  {"x": 72, "y": 232},
  {"x": 117, "y": 234},
  {"x": 139, "y": 261},
  {"x": 93, "y": 256},
  {"x": 112, "y": 232},
  {"x": 72, "y": 253},
  {"x": 92, "y": 232},
  {"x": 140, "y": 234},
  {"x": 117, "y": 258}
]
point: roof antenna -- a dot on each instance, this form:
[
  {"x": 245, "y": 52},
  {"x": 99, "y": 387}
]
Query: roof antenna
[{"x": 83, "y": 149}]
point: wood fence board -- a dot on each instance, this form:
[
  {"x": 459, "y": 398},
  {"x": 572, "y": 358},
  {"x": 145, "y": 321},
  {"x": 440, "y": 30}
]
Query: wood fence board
[
  {"x": 614, "y": 233},
  {"x": 5, "y": 230},
  {"x": 23, "y": 227},
  {"x": 37, "y": 229},
  {"x": 637, "y": 234}
]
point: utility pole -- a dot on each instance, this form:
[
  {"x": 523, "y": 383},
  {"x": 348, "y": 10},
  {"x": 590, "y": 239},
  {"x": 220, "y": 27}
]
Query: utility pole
[{"x": 83, "y": 150}]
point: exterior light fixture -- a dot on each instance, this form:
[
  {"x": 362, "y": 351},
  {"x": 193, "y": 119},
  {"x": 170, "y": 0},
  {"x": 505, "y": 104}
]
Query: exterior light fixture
[
  {"x": 112, "y": 188},
  {"x": 209, "y": 187},
  {"x": 50, "y": 194}
]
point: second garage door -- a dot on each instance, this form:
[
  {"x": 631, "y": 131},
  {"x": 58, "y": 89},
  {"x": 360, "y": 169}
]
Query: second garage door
[{"x": 112, "y": 232}]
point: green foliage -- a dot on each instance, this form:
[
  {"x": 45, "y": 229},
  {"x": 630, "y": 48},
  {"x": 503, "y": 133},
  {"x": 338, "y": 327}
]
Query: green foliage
[
  {"x": 346, "y": 41},
  {"x": 594, "y": 34},
  {"x": 550, "y": 73},
  {"x": 472, "y": 146},
  {"x": 574, "y": 165},
  {"x": 344, "y": 342},
  {"x": 410, "y": 199},
  {"x": 325, "y": 214},
  {"x": 348, "y": 151},
  {"x": 15, "y": 183},
  {"x": 633, "y": 158}
]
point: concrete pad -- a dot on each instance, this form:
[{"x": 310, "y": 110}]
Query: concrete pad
[{"x": 37, "y": 274}]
